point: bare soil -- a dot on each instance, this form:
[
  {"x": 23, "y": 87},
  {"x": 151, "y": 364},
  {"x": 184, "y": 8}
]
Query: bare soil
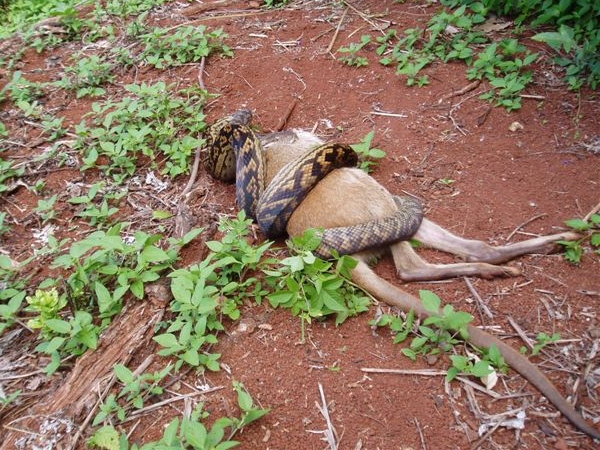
[{"x": 476, "y": 177}]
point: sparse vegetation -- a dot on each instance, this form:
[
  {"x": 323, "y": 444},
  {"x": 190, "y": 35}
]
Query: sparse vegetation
[
  {"x": 107, "y": 260},
  {"x": 455, "y": 34},
  {"x": 590, "y": 230}
]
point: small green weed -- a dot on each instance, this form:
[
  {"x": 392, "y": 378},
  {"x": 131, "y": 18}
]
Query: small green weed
[
  {"x": 187, "y": 44},
  {"x": 438, "y": 334},
  {"x": 542, "y": 341},
  {"x": 21, "y": 89},
  {"x": 4, "y": 227},
  {"x": 86, "y": 76},
  {"x": 276, "y": 3},
  {"x": 190, "y": 432},
  {"x": 574, "y": 250},
  {"x": 368, "y": 156},
  {"x": 97, "y": 214},
  {"x": 12, "y": 292},
  {"x": 451, "y": 36},
  {"x": 136, "y": 390},
  {"x": 45, "y": 208},
  {"x": 7, "y": 172},
  {"x": 313, "y": 288},
  {"x": 126, "y": 8},
  {"x": 151, "y": 120},
  {"x": 352, "y": 59}
]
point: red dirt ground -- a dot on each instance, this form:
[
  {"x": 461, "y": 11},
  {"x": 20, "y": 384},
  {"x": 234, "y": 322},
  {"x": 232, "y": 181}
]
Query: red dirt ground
[{"x": 502, "y": 179}]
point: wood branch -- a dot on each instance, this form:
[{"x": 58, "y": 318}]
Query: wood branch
[{"x": 71, "y": 402}]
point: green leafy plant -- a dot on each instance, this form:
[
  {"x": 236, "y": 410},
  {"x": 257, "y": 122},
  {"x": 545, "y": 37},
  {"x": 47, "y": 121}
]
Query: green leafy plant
[
  {"x": 351, "y": 57},
  {"x": 97, "y": 214},
  {"x": 136, "y": 390},
  {"x": 312, "y": 287},
  {"x": 590, "y": 230},
  {"x": 441, "y": 332},
  {"x": 205, "y": 291},
  {"x": 190, "y": 432},
  {"x": 7, "y": 172},
  {"x": 47, "y": 304},
  {"x": 12, "y": 292},
  {"x": 368, "y": 156},
  {"x": 125, "y": 8},
  {"x": 544, "y": 340},
  {"x": 187, "y": 44},
  {"x": 451, "y": 35},
  {"x": 276, "y": 3},
  {"x": 21, "y": 89},
  {"x": 45, "y": 208},
  {"x": 236, "y": 281},
  {"x": 151, "y": 120},
  {"x": 87, "y": 75},
  {"x": 4, "y": 227}
]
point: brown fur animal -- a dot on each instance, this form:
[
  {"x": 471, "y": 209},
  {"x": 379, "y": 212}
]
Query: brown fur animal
[{"x": 349, "y": 196}]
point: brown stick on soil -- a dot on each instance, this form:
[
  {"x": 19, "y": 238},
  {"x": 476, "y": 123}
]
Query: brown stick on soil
[{"x": 284, "y": 120}]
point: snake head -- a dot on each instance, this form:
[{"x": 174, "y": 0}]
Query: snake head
[{"x": 241, "y": 117}]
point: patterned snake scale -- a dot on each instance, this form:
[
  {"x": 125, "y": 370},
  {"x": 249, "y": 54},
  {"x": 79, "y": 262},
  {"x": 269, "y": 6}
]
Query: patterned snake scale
[{"x": 235, "y": 151}]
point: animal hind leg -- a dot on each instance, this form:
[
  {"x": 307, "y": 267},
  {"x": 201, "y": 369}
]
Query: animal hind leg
[
  {"x": 411, "y": 267},
  {"x": 434, "y": 236}
]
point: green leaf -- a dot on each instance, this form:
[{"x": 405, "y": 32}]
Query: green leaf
[
  {"x": 253, "y": 415},
  {"x": 137, "y": 289},
  {"x": 154, "y": 254},
  {"x": 166, "y": 340},
  {"x": 123, "y": 374},
  {"x": 194, "y": 433},
  {"x": 161, "y": 214},
  {"x": 431, "y": 302},
  {"x": 578, "y": 224},
  {"x": 106, "y": 438},
  {"x": 58, "y": 326},
  {"x": 244, "y": 399}
]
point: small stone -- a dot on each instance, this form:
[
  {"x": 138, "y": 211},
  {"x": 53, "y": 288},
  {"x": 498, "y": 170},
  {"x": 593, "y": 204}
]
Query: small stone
[{"x": 515, "y": 126}]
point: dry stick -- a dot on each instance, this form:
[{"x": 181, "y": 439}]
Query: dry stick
[
  {"x": 593, "y": 211},
  {"x": 464, "y": 90},
  {"x": 330, "y": 434},
  {"x": 520, "y": 332},
  {"x": 418, "y": 425},
  {"x": 422, "y": 372},
  {"x": 527, "y": 222},
  {"x": 485, "y": 437},
  {"x": 284, "y": 120},
  {"x": 201, "y": 73},
  {"x": 534, "y": 97},
  {"x": 480, "y": 303},
  {"x": 194, "y": 174},
  {"x": 362, "y": 15},
  {"x": 337, "y": 30}
]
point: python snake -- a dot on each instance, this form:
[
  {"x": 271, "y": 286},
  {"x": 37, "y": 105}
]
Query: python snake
[{"x": 235, "y": 151}]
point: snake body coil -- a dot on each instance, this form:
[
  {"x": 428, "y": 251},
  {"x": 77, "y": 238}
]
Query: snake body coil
[{"x": 235, "y": 151}]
